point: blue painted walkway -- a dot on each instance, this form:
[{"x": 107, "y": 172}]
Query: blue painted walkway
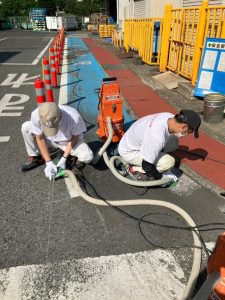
[{"x": 84, "y": 79}]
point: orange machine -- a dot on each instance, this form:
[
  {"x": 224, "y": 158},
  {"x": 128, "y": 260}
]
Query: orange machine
[
  {"x": 110, "y": 105},
  {"x": 217, "y": 264}
]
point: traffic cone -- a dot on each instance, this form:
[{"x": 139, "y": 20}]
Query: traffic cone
[
  {"x": 40, "y": 91},
  {"x": 56, "y": 58},
  {"x": 53, "y": 67},
  {"x": 47, "y": 78}
]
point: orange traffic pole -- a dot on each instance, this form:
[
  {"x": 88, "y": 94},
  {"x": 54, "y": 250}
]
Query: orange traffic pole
[
  {"x": 40, "y": 91},
  {"x": 47, "y": 78},
  {"x": 53, "y": 67}
]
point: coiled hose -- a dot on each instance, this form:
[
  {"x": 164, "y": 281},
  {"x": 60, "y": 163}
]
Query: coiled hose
[
  {"x": 110, "y": 163},
  {"x": 197, "y": 244}
]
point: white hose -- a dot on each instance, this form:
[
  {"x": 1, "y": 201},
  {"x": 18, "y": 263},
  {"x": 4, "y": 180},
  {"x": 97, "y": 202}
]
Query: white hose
[
  {"x": 110, "y": 163},
  {"x": 106, "y": 144},
  {"x": 197, "y": 244}
]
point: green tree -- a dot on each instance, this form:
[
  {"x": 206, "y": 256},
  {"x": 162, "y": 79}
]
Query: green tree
[{"x": 83, "y": 8}]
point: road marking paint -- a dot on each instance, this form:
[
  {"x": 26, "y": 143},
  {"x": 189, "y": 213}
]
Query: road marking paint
[
  {"x": 22, "y": 80},
  {"x": 17, "y": 64},
  {"x": 63, "y": 100},
  {"x": 84, "y": 62},
  {"x": 6, "y": 104},
  {"x": 63, "y": 83},
  {"x": 30, "y": 37},
  {"x": 142, "y": 275},
  {"x": 81, "y": 35},
  {"x": 4, "y": 139},
  {"x": 35, "y": 62},
  {"x": 3, "y": 39}
]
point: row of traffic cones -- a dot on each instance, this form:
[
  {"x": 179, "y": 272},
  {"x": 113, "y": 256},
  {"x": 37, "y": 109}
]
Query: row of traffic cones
[{"x": 50, "y": 71}]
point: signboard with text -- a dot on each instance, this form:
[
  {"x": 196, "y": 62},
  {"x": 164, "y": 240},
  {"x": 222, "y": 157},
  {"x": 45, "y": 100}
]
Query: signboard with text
[{"x": 211, "y": 77}]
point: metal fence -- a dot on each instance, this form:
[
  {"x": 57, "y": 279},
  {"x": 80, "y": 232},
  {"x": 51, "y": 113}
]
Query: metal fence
[
  {"x": 184, "y": 35},
  {"x": 181, "y": 39},
  {"x": 142, "y": 36}
]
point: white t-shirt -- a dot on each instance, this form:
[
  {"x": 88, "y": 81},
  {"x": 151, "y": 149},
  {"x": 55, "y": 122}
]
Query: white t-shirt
[
  {"x": 71, "y": 123},
  {"x": 147, "y": 137}
]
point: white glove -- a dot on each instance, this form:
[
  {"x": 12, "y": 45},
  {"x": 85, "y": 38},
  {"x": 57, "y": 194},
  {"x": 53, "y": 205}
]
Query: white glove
[
  {"x": 50, "y": 170},
  {"x": 169, "y": 174},
  {"x": 62, "y": 163}
]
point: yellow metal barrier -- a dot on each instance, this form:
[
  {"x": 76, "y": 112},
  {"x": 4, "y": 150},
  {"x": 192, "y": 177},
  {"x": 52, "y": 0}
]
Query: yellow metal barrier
[
  {"x": 139, "y": 35},
  {"x": 184, "y": 34},
  {"x": 117, "y": 38},
  {"x": 106, "y": 30}
]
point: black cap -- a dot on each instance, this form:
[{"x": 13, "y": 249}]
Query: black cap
[{"x": 191, "y": 118}]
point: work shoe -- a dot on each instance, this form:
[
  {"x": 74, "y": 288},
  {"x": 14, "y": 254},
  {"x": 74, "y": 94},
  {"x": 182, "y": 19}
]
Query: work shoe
[
  {"x": 139, "y": 176},
  {"x": 32, "y": 162}
]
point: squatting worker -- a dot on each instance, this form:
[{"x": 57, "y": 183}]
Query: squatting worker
[
  {"x": 144, "y": 141},
  {"x": 55, "y": 127}
]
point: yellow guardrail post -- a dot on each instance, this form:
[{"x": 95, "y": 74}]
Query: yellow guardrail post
[
  {"x": 126, "y": 34},
  {"x": 199, "y": 41},
  {"x": 165, "y": 37},
  {"x": 223, "y": 29}
]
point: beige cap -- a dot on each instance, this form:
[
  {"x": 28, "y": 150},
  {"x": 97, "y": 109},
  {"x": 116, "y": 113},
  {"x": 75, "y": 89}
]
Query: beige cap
[{"x": 49, "y": 114}]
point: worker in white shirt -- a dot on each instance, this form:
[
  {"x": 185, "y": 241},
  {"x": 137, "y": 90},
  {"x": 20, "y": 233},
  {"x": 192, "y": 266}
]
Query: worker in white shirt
[
  {"x": 55, "y": 127},
  {"x": 143, "y": 143}
]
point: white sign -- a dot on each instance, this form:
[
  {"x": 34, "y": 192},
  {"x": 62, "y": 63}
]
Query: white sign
[
  {"x": 205, "y": 80},
  {"x": 209, "y": 60},
  {"x": 22, "y": 80},
  {"x": 7, "y": 104},
  {"x": 221, "y": 64}
]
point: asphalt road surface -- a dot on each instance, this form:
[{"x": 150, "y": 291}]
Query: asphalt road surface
[{"x": 57, "y": 247}]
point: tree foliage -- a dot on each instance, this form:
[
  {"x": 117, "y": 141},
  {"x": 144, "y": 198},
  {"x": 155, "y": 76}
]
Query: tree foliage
[{"x": 22, "y": 8}]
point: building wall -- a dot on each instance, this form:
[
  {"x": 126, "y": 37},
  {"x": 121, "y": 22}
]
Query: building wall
[
  {"x": 142, "y": 9},
  {"x": 188, "y": 3}
]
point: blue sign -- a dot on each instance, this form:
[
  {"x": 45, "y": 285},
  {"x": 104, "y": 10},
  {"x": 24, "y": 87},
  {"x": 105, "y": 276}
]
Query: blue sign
[
  {"x": 211, "y": 77},
  {"x": 38, "y": 14}
]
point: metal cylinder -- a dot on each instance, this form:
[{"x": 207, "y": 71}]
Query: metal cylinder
[{"x": 214, "y": 108}]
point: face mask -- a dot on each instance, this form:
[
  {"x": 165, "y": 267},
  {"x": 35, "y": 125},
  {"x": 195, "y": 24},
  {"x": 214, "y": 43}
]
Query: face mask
[{"x": 179, "y": 134}]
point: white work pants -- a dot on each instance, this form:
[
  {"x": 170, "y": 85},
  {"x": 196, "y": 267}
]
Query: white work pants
[
  {"x": 163, "y": 163},
  {"x": 81, "y": 149}
]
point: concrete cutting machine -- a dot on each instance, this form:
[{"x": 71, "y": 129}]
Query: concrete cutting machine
[{"x": 110, "y": 105}]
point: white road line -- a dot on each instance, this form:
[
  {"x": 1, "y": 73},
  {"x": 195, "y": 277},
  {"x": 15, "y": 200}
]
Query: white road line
[
  {"x": 142, "y": 275},
  {"x": 63, "y": 83},
  {"x": 42, "y": 52},
  {"x": 17, "y": 64},
  {"x": 4, "y": 139},
  {"x": 3, "y": 39},
  {"x": 30, "y": 37},
  {"x": 63, "y": 100}
]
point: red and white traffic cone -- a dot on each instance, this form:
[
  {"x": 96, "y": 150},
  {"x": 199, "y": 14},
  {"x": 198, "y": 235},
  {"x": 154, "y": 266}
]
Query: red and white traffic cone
[
  {"x": 53, "y": 68},
  {"x": 40, "y": 91},
  {"x": 47, "y": 78},
  {"x": 56, "y": 58}
]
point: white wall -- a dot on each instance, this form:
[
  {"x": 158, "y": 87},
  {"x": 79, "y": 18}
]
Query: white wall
[
  {"x": 153, "y": 8},
  {"x": 188, "y": 3},
  {"x": 124, "y": 8},
  {"x": 156, "y": 7}
]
